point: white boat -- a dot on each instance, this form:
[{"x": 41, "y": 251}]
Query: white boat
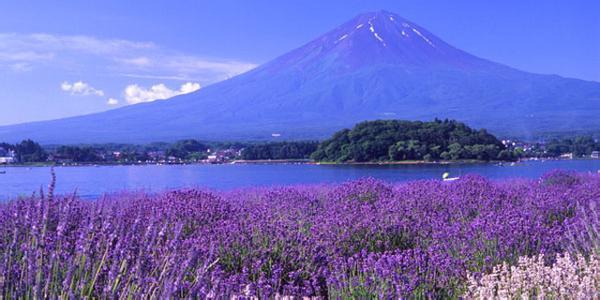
[{"x": 446, "y": 177}]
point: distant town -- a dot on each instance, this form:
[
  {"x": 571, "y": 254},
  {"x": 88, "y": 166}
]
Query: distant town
[{"x": 189, "y": 151}]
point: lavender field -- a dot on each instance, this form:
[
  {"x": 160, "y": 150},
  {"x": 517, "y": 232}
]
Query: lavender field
[{"x": 360, "y": 239}]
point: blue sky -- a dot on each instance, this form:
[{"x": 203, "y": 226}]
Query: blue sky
[{"x": 66, "y": 58}]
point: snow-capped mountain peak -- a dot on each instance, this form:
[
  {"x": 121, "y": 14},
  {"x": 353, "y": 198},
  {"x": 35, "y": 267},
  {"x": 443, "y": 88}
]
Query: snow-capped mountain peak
[
  {"x": 377, "y": 38},
  {"x": 377, "y": 65}
]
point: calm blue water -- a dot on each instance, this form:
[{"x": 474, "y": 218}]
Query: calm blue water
[{"x": 90, "y": 181}]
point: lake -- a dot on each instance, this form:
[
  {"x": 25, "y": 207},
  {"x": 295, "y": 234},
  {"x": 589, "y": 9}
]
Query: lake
[{"x": 93, "y": 181}]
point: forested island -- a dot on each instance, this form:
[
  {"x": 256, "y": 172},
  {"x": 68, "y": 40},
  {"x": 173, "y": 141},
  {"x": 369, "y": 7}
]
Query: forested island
[{"x": 396, "y": 140}]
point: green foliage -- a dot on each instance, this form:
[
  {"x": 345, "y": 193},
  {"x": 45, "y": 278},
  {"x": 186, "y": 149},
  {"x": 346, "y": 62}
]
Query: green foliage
[
  {"x": 187, "y": 149},
  {"x": 30, "y": 151},
  {"x": 579, "y": 146},
  {"x": 78, "y": 154},
  {"x": 129, "y": 156},
  {"x": 506, "y": 155},
  {"x": 7, "y": 146},
  {"x": 280, "y": 150},
  {"x": 396, "y": 140}
]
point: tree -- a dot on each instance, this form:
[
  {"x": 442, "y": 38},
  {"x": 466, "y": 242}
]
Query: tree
[
  {"x": 455, "y": 151},
  {"x": 435, "y": 151},
  {"x": 415, "y": 150},
  {"x": 280, "y": 150},
  {"x": 583, "y": 145},
  {"x": 506, "y": 155},
  {"x": 7, "y": 146},
  {"x": 398, "y": 151},
  {"x": 183, "y": 149},
  {"x": 30, "y": 151},
  {"x": 77, "y": 154}
]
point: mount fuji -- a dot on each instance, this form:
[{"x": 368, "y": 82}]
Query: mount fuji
[{"x": 375, "y": 66}]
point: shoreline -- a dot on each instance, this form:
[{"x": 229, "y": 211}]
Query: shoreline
[
  {"x": 288, "y": 161},
  {"x": 402, "y": 162},
  {"x": 255, "y": 162}
]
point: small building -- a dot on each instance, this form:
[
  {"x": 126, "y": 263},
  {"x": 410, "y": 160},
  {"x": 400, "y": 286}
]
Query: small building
[
  {"x": 60, "y": 159},
  {"x": 7, "y": 160},
  {"x": 567, "y": 156},
  {"x": 157, "y": 155},
  {"x": 596, "y": 154},
  {"x": 7, "y": 156}
]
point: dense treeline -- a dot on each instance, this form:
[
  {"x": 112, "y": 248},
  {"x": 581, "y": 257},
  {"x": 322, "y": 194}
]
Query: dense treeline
[
  {"x": 27, "y": 151},
  {"x": 280, "y": 150},
  {"x": 394, "y": 140},
  {"x": 390, "y": 140},
  {"x": 579, "y": 146},
  {"x": 187, "y": 149},
  {"x": 78, "y": 154}
]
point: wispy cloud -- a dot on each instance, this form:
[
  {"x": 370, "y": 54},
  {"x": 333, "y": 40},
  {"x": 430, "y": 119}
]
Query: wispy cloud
[
  {"x": 21, "y": 52},
  {"x": 177, "y": 66},
  {"x": 112, "y": 101},
  {"x": 141, "y": 61},
  {"x": 186, "y": 64},
  {"x": 20, "y": 67},
  {"x": 80, "y": 88},
  {"x": 49, "y": 43},
  {"x": 16, "y": 55},
  {"x": 136, "y": 94},
  {"x": 160, "y": 77}
]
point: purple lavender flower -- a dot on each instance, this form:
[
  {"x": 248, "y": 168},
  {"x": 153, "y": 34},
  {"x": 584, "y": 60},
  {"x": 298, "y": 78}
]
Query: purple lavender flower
[{"x": 361, "y": 239}]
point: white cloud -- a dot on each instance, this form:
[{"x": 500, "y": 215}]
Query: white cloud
[
  {"x": 141, "y": 61},
  {"x": 20, "y": 67},
  {"x": 112, "y": 56},
  {"x": 18, "y": 55},
  {"x": 160, "y": 77},
  {"x": 185, "y": 64},
  {"x": 76, "y": 43},
  {"x": 136, "y": 94},
  {"x": 80, "y": 88},
  {"x": 189, "y": 87},
  {"x": 112, "y": 101}
]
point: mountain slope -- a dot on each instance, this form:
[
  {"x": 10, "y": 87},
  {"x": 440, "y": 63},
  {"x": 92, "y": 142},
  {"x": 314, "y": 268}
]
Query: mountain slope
[{"x": 376, "y": 66}]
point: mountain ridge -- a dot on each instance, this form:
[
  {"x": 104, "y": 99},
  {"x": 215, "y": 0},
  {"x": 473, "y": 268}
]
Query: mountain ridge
[{"x": 375, "y": 66}]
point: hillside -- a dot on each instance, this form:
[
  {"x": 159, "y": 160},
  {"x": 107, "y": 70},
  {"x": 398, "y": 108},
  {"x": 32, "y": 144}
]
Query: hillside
[
  {"x": 397, "y": 140},
  {"x": 376, "y": 66}
]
